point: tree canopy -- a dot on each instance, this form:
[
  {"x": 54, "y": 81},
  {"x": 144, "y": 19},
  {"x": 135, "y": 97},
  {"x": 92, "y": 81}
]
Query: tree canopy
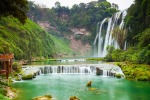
[
  {"x": 15, "y": 8},
  {"x": 83, "y": 15},
  {"x": 137, "y": 19}
]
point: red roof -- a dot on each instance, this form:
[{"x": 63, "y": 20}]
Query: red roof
[{"x": 6, "y": 56}]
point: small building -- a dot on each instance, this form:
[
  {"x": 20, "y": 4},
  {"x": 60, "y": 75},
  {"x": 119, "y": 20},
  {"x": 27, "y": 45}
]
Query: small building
[{"x": 6, "y": 64}]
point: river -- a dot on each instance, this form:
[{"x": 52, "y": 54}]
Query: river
[{"x": 62, "y": 86}]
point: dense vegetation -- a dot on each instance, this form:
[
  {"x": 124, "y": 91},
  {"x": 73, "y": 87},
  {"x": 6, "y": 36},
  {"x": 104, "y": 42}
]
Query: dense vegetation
[
  {"x": 138, "y": 35},
  {"x": 79, "y": 16},
  {"x": 3, "y": 91},
  {"x": 137, "y": 20},
  {"x": 138, "y": 72},
  {"x": 28, "y": 40},
  {"x": 15, "y": 8}
]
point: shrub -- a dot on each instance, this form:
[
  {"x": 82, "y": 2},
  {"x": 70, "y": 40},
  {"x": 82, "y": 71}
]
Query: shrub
[
  {"x": 16, "y": 67},
  {"x": 2, "y": 97}
]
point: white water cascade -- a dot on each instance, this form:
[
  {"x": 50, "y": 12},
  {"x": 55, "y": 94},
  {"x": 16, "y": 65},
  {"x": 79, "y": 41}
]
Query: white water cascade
[
  {"x": 94, "y": 69},
  {"x": 105, "y": 38}
]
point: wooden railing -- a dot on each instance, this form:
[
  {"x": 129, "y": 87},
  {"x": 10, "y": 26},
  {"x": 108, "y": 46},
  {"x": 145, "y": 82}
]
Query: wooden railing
[{"x": 6, "y": 56}]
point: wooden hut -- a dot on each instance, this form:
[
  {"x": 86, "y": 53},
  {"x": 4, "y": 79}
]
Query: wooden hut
[{"x": 6, "y": 64}]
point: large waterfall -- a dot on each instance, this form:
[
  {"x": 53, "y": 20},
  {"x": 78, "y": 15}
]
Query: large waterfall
[{"x": 104, "y": 36}]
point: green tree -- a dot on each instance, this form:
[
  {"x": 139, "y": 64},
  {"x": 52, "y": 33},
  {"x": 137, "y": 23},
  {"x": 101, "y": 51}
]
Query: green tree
[
  {"x": 57, "y": 4},
  {"x": 144, "y": 38},
  {"x": 15, "y": 8},
  {"x": 137, "y": 19},
  {"x": 110, "y": 50}
]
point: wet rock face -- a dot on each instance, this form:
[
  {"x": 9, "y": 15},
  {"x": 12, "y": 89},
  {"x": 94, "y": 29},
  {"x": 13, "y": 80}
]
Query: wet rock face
[{"x": 99, "y": 71}]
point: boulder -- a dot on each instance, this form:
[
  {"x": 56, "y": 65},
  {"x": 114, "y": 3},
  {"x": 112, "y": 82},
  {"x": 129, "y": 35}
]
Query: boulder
[
  {"x": 89, "y": 84},
  {"x": 99, "y": 71},
  {"x": 118, "y": 75},
  {"x": 74, "y": 98}
]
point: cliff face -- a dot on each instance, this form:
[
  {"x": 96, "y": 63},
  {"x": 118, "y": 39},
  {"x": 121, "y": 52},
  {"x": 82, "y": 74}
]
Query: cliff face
[
  {"x": 78, "y": 46},
  {"x": 75, "y": 44}
]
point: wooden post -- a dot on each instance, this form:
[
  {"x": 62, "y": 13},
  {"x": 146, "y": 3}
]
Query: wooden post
[
  {"x": 7, "y": 69},
  {"x": 10, "y": 65}
]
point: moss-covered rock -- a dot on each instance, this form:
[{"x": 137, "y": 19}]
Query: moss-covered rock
[
  {"x": 142, "y": 78},
  {"x": 46, "y": 97},
  {"x": 118, "y": 75},
  {"x": 89, "y": 84},
  {"x": 74, "y": 98},
  {"x": 27, "y": 77},
  {"x": 17, "y": 79}
]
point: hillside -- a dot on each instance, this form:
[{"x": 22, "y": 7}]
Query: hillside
[
  {"x": 77, "y": 24},
  {"x": 28, "y": 40}
]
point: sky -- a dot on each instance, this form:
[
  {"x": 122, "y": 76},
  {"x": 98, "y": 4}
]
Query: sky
[{"x": 123, "y": 4}]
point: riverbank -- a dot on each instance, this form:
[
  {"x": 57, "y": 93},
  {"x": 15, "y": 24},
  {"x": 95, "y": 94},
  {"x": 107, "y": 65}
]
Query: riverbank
[
  {"x": 139, "y": 72},
  {"x": 132, "y": 71},
  {"x": 6, "y": 91}
]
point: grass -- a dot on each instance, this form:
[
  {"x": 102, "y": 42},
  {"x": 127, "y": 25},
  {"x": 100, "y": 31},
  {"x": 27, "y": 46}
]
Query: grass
[{"x": 96, "y": 59}]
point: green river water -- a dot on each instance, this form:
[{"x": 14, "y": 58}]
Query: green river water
[{"x": 62, "y": 86}]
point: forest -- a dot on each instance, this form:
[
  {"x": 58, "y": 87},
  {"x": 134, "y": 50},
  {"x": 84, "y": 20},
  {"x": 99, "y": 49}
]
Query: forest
[
  {"x": 43, "y": 36},
  {"x": 79, "y": 16},
  {"x": 137, "y": 23},
  {"x": 62, "y": 19}
]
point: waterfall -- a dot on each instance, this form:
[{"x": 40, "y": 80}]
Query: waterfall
[
  {"x": 66, "y": 70},
  {"x": 107, "y": 39},
  {"x": 100, "y": 39},
  {"x": 93, "y": 69},
  {"x": 105, "y": 73}
]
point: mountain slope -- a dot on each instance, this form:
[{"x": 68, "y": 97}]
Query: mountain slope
[{"x": 26, "y": 41}]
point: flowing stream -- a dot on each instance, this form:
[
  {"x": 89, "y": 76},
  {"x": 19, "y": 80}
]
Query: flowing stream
[{"x": 63, "y": 81}]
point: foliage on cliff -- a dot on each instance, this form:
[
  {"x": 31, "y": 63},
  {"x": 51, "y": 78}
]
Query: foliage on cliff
[
  {"x": 80, "y": 16},
  {"x": 138, "y": 35},
  {"x": 137, "y": 20},
  {"x": 137, "y": 54},
  {"x": 26, "y": 41}
]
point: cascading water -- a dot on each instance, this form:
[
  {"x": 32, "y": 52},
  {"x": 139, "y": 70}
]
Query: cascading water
[
  {"x": 66, "y": 70},
  {"x": 107, "y": 39},
  {"x": 100, "y": 39},
  {"x": 95, "y": 69}
]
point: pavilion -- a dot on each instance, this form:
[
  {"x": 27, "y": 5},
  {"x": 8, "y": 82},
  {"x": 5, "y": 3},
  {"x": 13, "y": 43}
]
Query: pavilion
[{"x": 6, "y": 64}]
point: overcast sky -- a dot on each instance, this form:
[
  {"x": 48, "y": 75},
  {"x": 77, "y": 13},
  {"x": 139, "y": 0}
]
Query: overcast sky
[{"x": 123, "y": 4}]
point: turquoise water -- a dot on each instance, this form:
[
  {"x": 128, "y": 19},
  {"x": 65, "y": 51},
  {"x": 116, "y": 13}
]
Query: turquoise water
[
  {"x": 62, "y": 86},
  {"x": 64, "y": 62}
]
